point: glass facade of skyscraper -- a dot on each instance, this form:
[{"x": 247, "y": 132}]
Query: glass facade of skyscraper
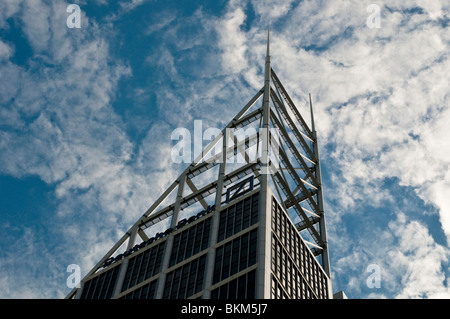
[{"x": 294, "y": 272}]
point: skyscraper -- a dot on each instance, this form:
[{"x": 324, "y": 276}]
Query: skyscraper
[{"x": 250, "y": 223}]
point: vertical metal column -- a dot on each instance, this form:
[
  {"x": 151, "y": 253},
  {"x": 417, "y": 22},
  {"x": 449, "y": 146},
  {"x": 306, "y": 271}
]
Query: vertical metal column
[
  {"x": 210, "y": 258},
  {"x": 124, "y": 265},
  {"x": 264, "y": 232},
  {"x": 169, "y": 241},
  {"x": 320, "y": 203}
]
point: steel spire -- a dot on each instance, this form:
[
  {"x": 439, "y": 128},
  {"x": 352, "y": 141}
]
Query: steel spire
[{"x": 313, "y": 129}]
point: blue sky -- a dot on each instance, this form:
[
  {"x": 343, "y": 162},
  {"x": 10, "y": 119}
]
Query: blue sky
[{"x": 86, "y": 117}]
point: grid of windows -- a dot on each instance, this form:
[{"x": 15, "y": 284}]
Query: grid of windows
[
  {"x": 101, "y": 286},
  {"x": 147, "y": 291},
  {"x": 277, "y": 290},
  {"x": 238, "y": 217},
  {"x": 143, "y": 266},
  {"x": 287, "y": 279},
  {"x": 293, "y": 264},
  {"x": 186, "y": 280},
  {"x": 190, "y": 242},
  {"x": 242, "y": 287},
  {"x": 235, "y": 255}
]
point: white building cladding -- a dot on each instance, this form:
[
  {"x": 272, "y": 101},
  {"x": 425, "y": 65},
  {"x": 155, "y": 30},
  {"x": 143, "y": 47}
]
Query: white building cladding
[{"x": 246, "y": 218}]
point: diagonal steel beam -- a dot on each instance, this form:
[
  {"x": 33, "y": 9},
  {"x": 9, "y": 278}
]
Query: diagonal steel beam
[
  {"x": 292, "y": 105},
  {"x": 294, "y": 150},
  {"x": 214, "y": 160},
  {"x": 292, "y": 126},
  {"x": 299, "y": 210},
  {"x": 201, "y": 193},
  {"x": 298, "y": 181},
  {"x": 194, "y": 189}
]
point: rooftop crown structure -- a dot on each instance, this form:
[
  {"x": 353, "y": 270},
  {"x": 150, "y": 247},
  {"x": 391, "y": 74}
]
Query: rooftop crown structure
[{"x": 244, "y": 220}]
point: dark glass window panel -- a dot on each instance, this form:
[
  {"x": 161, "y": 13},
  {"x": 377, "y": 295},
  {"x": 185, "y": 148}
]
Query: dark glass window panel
[
  {"x": 192, "y": 278},
  {"x": 101, "y": 280},
  {"x": 112, "y": 283},
  {"x": 151, "y": 265},
  {"x": 215, "y": 294},
  {"x": 183, "y": 242},
  {"x": 143, "y": 266},
  {"x": 223, "y": 292},
  {"x": 255, "y": 206},
  {"x": 251, "y": 285},
  {"x": 238, "y": 221},
  {"x": 226, "y": 261},
  {"x": 198, "y": 238},
  {"x": 244, "y": 252},
  {"x": 147, "y": 291},
  {"x": 190, "y": 240},
  {"x": 175, "y": 248},
  {"x": 137, "y": 293},
  {"x": 159, "y": 256},
  {"x": 246, "y": 216},
  {"x": 200, "y": 274},
  {"x": 136, "y": 269},
  {"x": 184, "y": 282},
  {"x": 103, "y": 293},
  {"x": 101, "y": 286},
  {"x": 85, "y": 289},
  {"x": 144, "y": 292},
  {"x": 242, "y": 287},
  {"x": 232, "y": 291},
  {"x": 238, "y": 217},
  {"x": 253, "y": 246},
  {"x": 206, "y": 230},
  {"x": 168, "y": 285},
  {"x": 145, "y": 260},
  {"x": 235, "y": 256},
  {"x": 222, "y": 223},
  {"x": 230, "y": 222},
  {"x": 126, "y": 281},
  {"x": 175, "y": 283},
  {"x": 152, "y": 290},
  {"x": 218, "y": 264}
]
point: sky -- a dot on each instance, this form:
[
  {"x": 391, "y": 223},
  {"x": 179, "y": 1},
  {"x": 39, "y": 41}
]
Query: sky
[{"x": 86, "y": 116}]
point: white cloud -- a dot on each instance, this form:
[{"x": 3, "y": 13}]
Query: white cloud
[
  {"x": 36, "y": 24},
  {"x": 8, "y": 8},
  {"x": 131, "y": 5},
  {"x": 268, "y": 11},
  {"x": 232, "y": 40},
  {"x": 62, "y": 128},
  {"x": 21, "y": 273},
  {"x": 418, "y": 260},
  {"x": 5, "y": 51}
]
